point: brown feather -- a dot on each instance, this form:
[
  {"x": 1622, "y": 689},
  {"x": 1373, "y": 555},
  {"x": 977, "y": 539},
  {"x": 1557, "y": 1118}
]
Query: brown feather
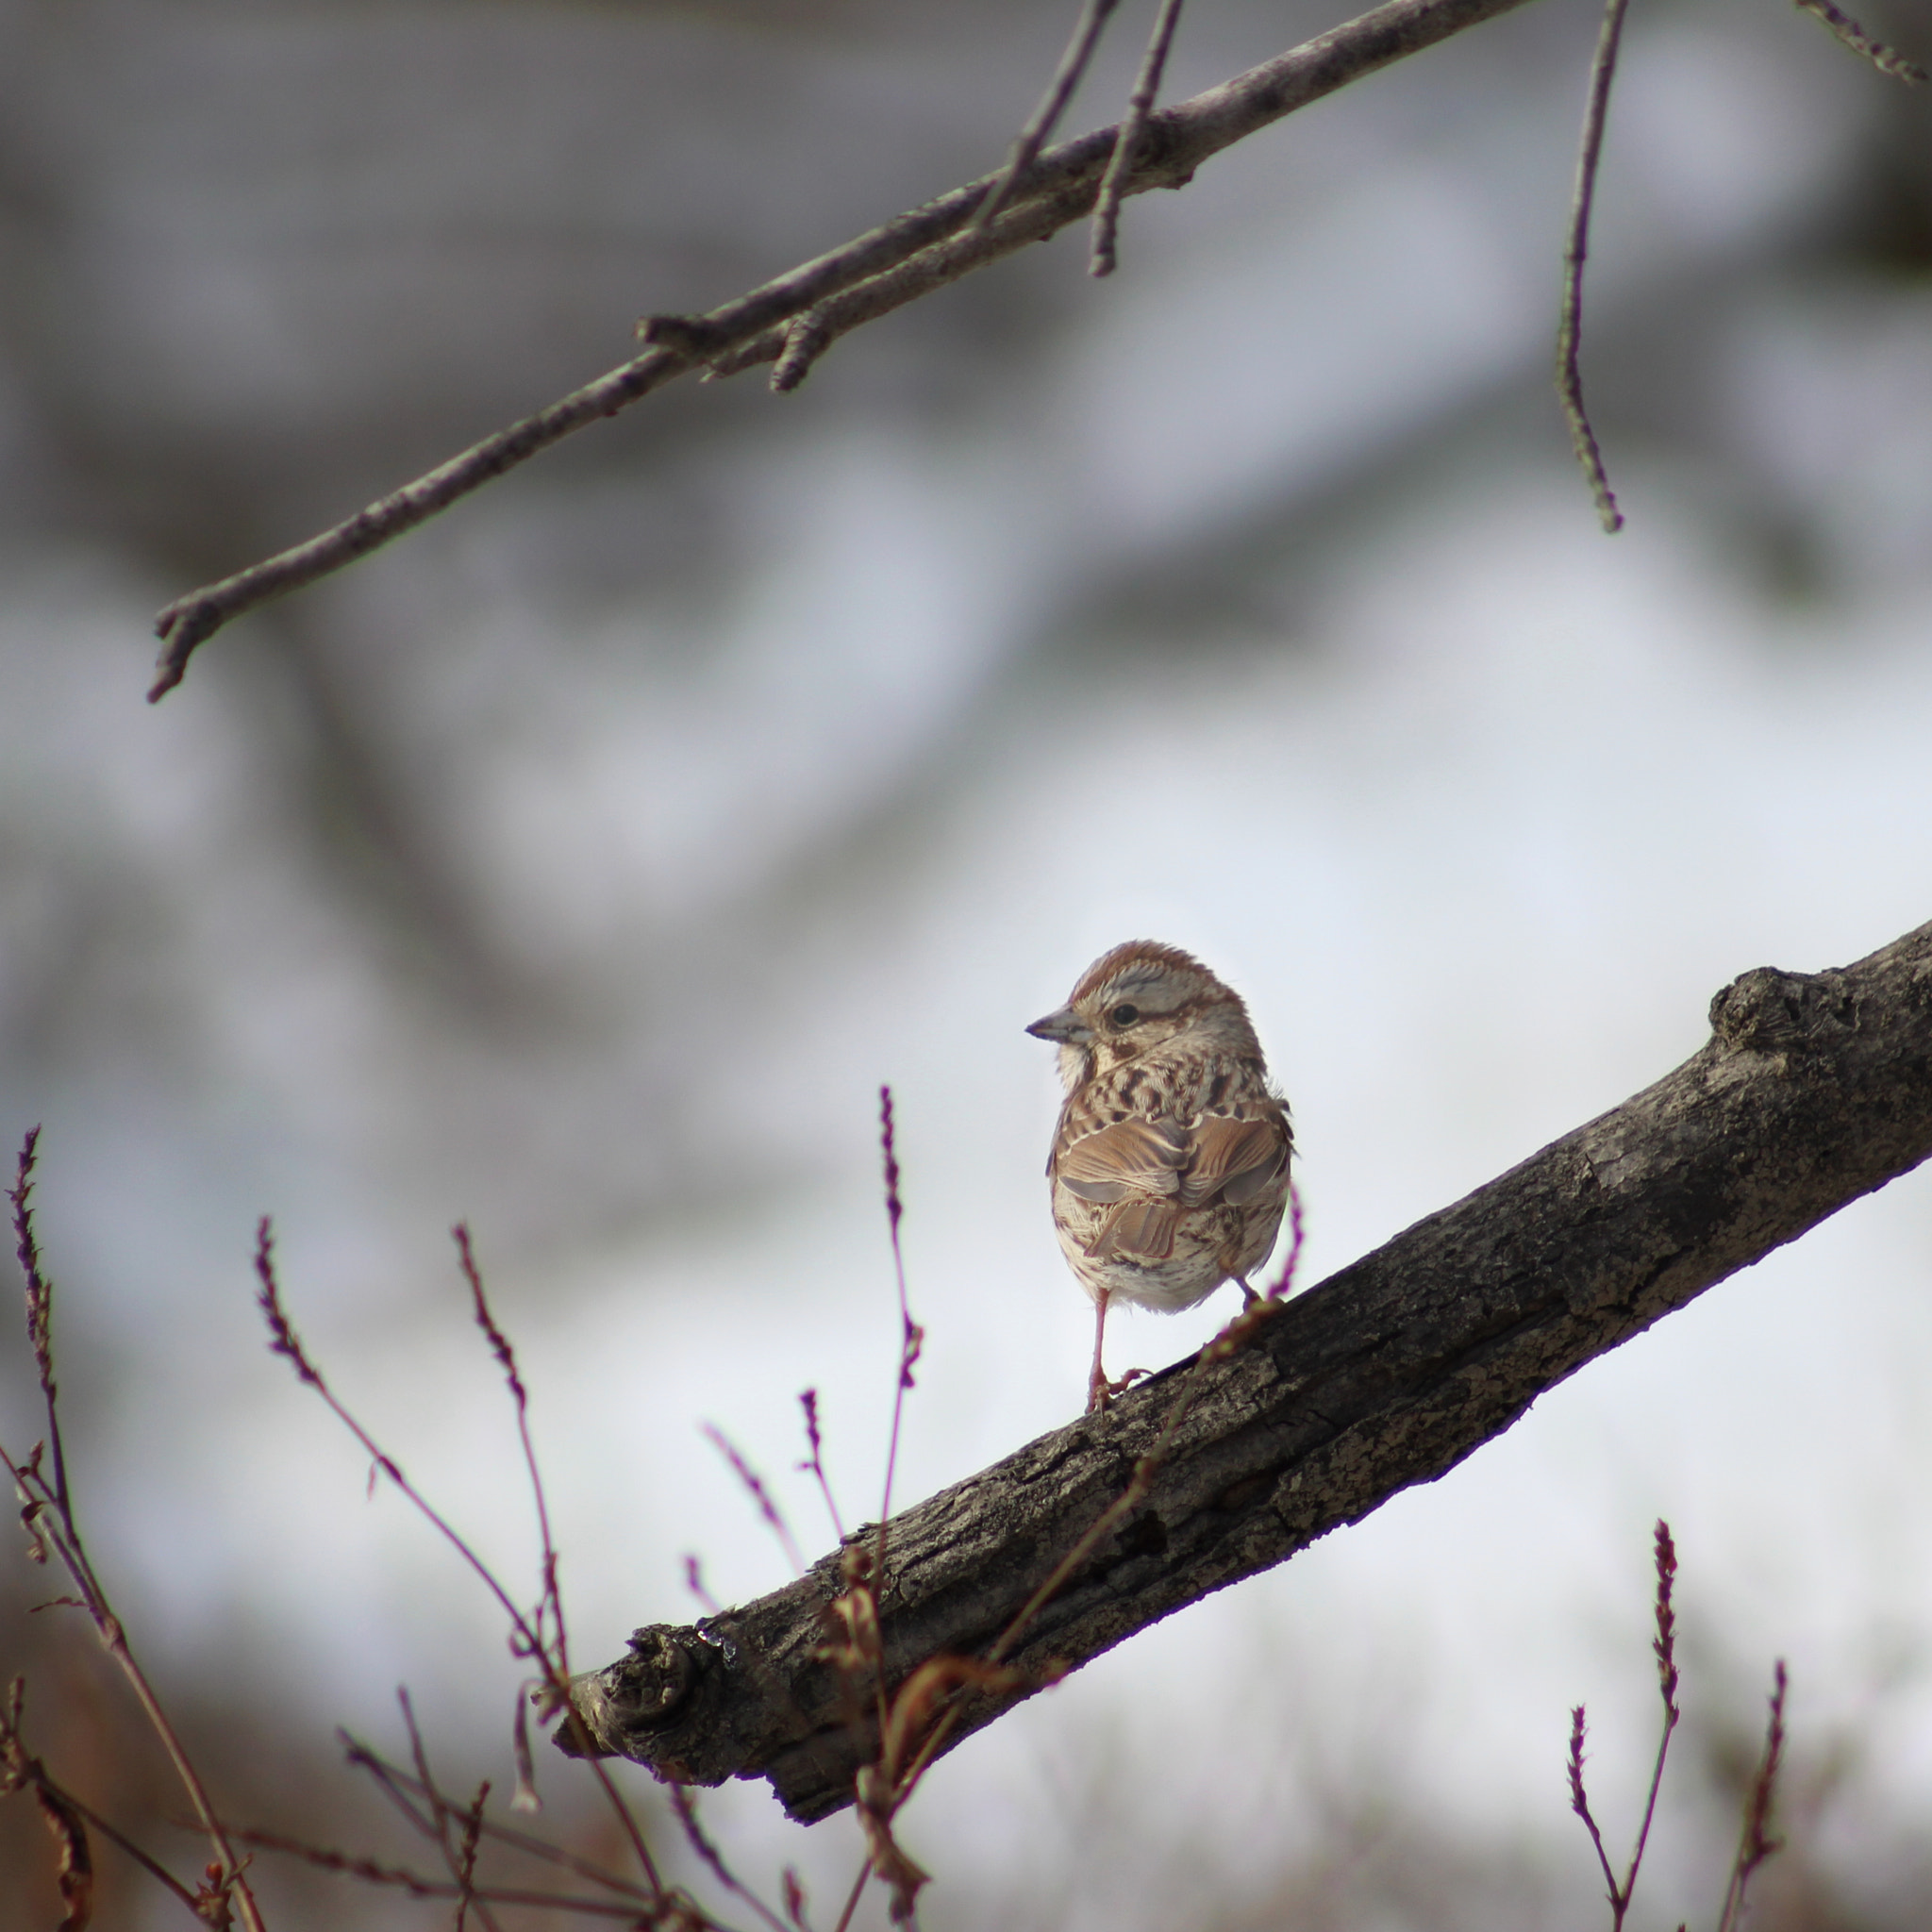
[
  {"x": 1132, "y": 1157},
  {"x": 1142, "y": 1230},
  {"x": 1233, "y": 1158}
]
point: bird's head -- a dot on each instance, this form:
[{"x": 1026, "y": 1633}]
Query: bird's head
[{"x": 1139, "y": 997}]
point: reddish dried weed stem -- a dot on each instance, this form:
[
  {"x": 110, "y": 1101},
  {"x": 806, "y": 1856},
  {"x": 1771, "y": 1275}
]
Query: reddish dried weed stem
[
  {"x": 47, "y": 1513},
  {"x": 1756, "y": 1844},
  {"x": 1664, "y": 1646},
  {"x": 542, "y": 1636},
  {"x": 815, "y": 1465}
]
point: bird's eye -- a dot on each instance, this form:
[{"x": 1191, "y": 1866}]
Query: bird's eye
[{"x": 1125, "y": 1014}]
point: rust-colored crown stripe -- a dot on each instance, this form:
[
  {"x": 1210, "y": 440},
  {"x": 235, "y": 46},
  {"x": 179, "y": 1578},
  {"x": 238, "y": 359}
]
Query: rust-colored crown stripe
[{"x": 1137, "y": 953}]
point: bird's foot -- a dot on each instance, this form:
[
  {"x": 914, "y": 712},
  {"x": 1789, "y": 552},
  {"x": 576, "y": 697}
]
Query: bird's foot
[{"x": 1100, "y": 1391}]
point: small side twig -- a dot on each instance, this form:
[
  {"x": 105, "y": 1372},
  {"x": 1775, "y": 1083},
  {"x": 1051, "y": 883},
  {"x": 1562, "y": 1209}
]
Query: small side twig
[
  {"x": 1756, "y": 1843},
  {"x": 1570, "y": 329},
  {"x": 1088, "y": 29},
  {"x": 805, "y": 341},
  {"x": 1126, "y": 146},
  {"x": 1848, "y": 33}
]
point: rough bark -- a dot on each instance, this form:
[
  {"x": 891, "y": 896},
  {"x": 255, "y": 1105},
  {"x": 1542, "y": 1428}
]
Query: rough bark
[{"x": 1813, "y": 1090}]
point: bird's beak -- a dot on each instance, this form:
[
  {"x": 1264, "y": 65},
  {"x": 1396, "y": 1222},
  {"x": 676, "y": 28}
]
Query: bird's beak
[{"x": 1064, "y": 1027}]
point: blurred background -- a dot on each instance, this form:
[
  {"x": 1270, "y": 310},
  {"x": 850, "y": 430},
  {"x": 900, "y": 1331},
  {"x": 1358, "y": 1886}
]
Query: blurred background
[{"x": 583, "y": 864}]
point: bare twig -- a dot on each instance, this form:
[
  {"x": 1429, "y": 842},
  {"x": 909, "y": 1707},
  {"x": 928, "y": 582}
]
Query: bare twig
[
  {"x": 893, "y": 263},
  {"x": 1756, "y": 1843},
  {"x": 805, "y": 340},
  {"x": 1570, "y": 329},
  {"x": 808, "y": 1401},
  {"x": 48, "y": 1514},
  {"x": 1850, "y": 34},
  {"x": 1094, "y": 15},
  {"x": 402, "y": 1788},
  {"x": 466, "y": 1855},
  {"x": 284, "y": 1341},
  {"x": 458, "y": 1851},
  {"x": 400, "y": 1878},
  {"x": 1126, "y": 146}
]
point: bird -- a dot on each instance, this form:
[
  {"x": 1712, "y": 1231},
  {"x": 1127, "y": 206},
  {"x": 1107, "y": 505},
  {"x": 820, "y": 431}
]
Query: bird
[{"x": 1169, "y": 1165}]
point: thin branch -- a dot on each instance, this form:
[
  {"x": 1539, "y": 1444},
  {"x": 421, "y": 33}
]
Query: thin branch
[
  {"x": 1094, "y": 15},
  {"x": 284, "y": 1341},
  {"x": 472, "y": 1842},
  {"x": 442, "y": 1814},
  {"x": 1126, "y": 146},
  {"x": 1848, "y": 33},
  {"x": 397, "y": 1784},
  {"x": 400, "y": 1878},
  {"x": 1570, "y": 329},
  {"x": 18, "y": 1767},
  {"x": 897, "y": 262}
]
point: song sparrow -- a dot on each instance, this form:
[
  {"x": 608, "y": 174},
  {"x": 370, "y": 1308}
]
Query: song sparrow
[{"x": 1169, "y": 1166}]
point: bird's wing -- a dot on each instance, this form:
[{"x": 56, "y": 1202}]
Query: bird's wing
[
  {"x": 1136, "y": 1156},
  {"x": 1233, "y": 1159},
  {"x": 1138, "y": 1230}
]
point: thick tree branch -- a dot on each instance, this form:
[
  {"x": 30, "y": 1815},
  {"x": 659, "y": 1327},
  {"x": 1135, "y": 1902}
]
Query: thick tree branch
[
  {"x": 1814, "y": 1088},
  {"x": 903, "y": 259}
]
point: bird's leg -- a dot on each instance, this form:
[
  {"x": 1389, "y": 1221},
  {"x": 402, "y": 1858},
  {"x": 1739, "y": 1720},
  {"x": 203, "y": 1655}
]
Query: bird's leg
[
  {"x": 1249, "y": 1297},
  {"x": 1098, "y": 1388},
  {"x": 1100, "y": 1391}
]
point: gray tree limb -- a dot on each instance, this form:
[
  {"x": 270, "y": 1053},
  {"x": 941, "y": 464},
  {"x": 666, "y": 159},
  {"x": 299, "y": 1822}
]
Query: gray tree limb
[
  {"x": 1814, "y": 1089},
  {"x": 823, "y": 299}
]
